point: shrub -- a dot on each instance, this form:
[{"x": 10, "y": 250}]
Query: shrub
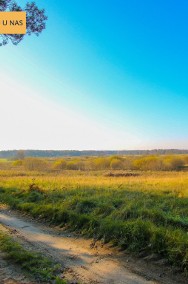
[
  {"x": 60, "y": 164},
  {"x": 35, "y": 164},
  {"x": 173, "y": 163},
  {"x": 148, "y": 163},
  {"x": 116, "y": 164}
]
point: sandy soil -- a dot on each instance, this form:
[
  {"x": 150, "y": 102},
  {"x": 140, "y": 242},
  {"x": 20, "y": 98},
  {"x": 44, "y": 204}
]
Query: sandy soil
[{"x": 85, "y": 260}]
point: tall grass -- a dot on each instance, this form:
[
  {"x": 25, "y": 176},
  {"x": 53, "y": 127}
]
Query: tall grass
[{"x": 146, "y": 213}]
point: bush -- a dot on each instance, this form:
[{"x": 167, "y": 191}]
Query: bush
[
  {"x": 173, "y": 163},
  {"x": 101, "y": 163},
  {"x": 17, "y": 163},
  {"x": 60, "y": 165},
  {"x": 148, "y": 163},
  {"x": 75, "y": 165},
  {"x": 116, "y": 164},
  {"x": 35, "y": 164}
]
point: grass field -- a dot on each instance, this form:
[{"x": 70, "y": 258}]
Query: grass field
[{"x": 147, "y": 213}]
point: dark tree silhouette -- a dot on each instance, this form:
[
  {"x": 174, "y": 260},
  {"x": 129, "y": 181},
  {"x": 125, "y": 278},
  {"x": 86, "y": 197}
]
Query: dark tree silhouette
[{"x": 36, "y": 20}]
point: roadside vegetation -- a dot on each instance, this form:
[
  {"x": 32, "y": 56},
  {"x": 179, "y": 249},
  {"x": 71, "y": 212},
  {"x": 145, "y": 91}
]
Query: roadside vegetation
[
  {"x": 140, "y": 210},
  {"x": 34, "y": 264}
]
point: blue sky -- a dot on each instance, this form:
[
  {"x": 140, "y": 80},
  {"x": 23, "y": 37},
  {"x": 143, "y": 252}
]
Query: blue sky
[{"x": 103, "y": 75}]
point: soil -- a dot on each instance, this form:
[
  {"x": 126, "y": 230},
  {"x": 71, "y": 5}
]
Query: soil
[
  {"x": 83, "y": 260},
  {"x": 11, "y": 274}
]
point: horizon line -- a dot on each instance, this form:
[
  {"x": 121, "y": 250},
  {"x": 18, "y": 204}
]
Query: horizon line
[{"x": 97, "y": 150}]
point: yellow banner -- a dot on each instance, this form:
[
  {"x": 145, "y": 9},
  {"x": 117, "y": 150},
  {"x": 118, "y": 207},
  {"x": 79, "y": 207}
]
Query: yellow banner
[{"x": 12, "y": 22}]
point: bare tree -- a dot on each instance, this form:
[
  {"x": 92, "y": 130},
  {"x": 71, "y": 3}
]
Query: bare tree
[{"x": 36, "y": 20}]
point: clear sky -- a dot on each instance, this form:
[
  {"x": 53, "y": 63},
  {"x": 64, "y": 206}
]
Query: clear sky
[{"x": 103, "y": 75}]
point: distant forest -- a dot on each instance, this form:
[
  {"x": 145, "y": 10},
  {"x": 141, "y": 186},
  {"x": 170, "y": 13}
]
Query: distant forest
[{"x": 74, "y": 153}]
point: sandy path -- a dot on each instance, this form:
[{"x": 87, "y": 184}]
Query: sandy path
[{"x": 83, "y": 260}]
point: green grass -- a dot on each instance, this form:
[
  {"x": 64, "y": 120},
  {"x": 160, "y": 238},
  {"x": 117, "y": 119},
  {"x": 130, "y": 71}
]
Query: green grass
[
  {"x": 39, "y": 267},
  {"x": 140, "y": 214}
]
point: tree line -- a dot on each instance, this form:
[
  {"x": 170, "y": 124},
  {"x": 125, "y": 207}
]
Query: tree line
[{"x": 11, "y": 154}]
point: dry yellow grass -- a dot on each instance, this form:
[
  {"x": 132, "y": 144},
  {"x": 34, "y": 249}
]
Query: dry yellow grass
[{"x": 175, "y": 182}]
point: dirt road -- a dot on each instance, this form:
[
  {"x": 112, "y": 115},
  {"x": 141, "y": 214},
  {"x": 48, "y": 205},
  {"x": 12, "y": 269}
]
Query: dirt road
[{"x": 84, "y": 260}]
